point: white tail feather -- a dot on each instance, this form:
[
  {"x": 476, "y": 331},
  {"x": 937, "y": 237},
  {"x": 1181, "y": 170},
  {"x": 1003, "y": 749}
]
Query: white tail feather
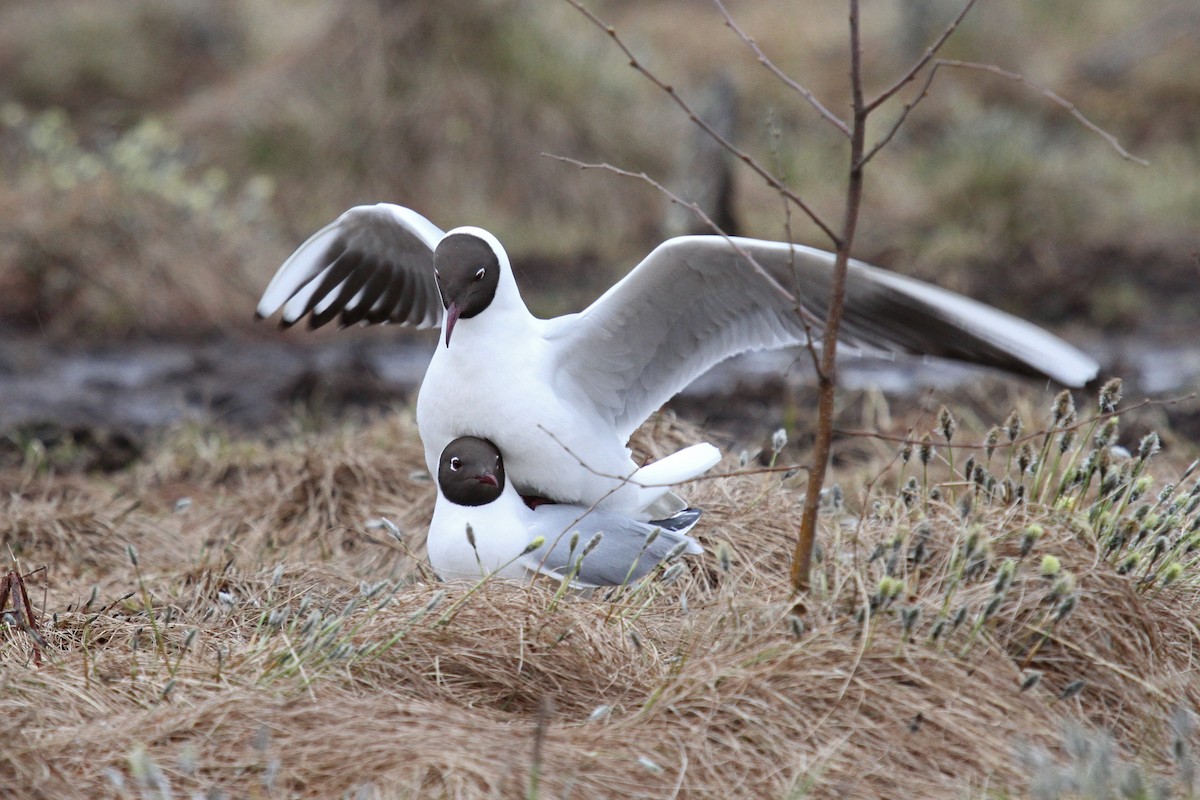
[{"x": 684, "y": 465}]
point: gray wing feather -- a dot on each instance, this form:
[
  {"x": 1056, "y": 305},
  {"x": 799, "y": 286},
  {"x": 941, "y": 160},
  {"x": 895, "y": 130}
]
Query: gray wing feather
[
  {"x": 697, "y": 300},
  {"x": 622, "y": 555},
  {"x": 372, "y": 264}
]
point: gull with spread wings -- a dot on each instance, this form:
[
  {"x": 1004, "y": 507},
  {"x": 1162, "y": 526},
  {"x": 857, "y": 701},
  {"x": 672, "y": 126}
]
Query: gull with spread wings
[{"x": 560, "y": 397}]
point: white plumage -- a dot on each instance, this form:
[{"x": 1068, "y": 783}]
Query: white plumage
[
  {"x": 560, "y": 397},
  {"x": 482, "y": 527}
]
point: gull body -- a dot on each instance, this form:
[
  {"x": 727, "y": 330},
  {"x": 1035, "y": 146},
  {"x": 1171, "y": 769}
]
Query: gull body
[
  {"x": 560, "y": 397},
  {"x": 499, "y": 376},
  {"x": 474, "y": 494}
]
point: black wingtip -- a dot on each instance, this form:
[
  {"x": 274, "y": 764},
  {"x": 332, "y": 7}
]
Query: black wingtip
[{"x": 679, "y": 521}]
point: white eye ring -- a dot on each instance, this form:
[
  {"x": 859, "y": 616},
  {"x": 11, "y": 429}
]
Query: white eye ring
[
  {"x": 479, "y": 274},
  {"x": 455, "y": 463}
]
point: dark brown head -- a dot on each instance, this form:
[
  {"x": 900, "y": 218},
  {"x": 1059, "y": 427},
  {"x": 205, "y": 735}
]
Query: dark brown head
[
  {"x": 467, "y": 270},
  {"x": 471, "y": 472}
]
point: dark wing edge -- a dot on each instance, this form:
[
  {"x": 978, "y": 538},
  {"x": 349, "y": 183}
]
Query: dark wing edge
[
  {"x": 373, "y": 264},
  {"x": 697, "y": 300},
  {"x": 892, "y": 311}
]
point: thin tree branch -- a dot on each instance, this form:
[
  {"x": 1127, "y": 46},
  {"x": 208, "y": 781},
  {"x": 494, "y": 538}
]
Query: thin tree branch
[
  {"x": 741, "y": 155},
  {"x": 1053, "y": 97},
  {"x": 803, "y": 91},
  {"x": 809, "y": 339},
  {"x": 801, "y": 567},
  {"x": 806, "y": 317},
  {"x": 628, "y": 479},
  {"x": 904, "y": 112},
  {"x": 932, "y": 51}
]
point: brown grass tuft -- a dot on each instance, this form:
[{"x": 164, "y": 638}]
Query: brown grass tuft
[{"x": 272, "y": 641}]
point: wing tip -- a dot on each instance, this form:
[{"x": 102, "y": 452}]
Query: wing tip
[
  {"x": 1089, "y": 373},
  {"x": 680, "y": 522},
  {"x": 1076, "y": 371}
]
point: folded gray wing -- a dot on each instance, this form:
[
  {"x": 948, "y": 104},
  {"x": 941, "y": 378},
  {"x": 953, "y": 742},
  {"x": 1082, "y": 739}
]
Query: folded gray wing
[
  {"x": 372, "y": 264},
  {"x": 622, "y": 555},
  {"x": 697, "y": 300}
]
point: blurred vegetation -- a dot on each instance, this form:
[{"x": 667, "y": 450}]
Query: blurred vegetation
[
  {"x": 122, "y": 236},
  {"x": 255, "y": 122}
]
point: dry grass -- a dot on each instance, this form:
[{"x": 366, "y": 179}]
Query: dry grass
[
  {"x": 126, "y": 237},
  {"x": 262, "y": 639}
]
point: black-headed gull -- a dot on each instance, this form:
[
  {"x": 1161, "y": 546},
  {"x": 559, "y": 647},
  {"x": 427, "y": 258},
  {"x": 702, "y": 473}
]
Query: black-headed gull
[
  {"x": 560, "y": 397},
  {"x": 481, "y": 526}
]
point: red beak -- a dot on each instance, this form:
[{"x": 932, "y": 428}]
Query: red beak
[
  {"x": 452, "y": 312},
  {"x": 487, "y": 478}
]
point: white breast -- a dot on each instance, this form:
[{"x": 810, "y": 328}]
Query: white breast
[
  {"x": 500, "y": 530},
  {"x": 495, "y": 382}
]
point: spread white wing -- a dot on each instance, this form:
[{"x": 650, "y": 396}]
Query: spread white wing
[
  {"x": 697, "y": 300},
  {"x": 372, "y": 264}
]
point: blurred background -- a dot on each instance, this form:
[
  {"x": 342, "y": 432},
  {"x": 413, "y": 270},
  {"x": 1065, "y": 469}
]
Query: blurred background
[{"x": 160, "y": 159}]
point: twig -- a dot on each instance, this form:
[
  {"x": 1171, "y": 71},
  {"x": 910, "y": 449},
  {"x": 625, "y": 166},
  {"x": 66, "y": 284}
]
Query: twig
[
  {"x": 695, "y": 118},
  {"x": 807, "y": 318},
  {"x": 545, "y": 714},
  {"x": 904, "y": 112},
  {"x": 890, "y": 92},
  {"x": 12, "y": 586},
  {"x": 810, "y": 340},
  {"x": 1053, "y": 97},
  {"x": 827, "y": 375},
  {"x": 928, "y": 55},
  {"x": 626, "y": 479},
  {"x": 803, "y": 91},
  {"x": 1012, "y": 76}
]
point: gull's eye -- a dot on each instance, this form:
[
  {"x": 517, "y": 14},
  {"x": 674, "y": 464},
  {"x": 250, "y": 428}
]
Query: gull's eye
[
  {"x": 455, "y": 464},
  {"x": 479, "y": 274}
]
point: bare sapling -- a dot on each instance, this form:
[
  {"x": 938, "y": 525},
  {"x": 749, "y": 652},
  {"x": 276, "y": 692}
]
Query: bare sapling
[{"x": 841, "y": 235}]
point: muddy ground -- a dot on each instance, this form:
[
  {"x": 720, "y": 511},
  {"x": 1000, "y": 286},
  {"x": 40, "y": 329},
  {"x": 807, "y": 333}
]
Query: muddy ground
[{"x": 107, "y": 400}]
